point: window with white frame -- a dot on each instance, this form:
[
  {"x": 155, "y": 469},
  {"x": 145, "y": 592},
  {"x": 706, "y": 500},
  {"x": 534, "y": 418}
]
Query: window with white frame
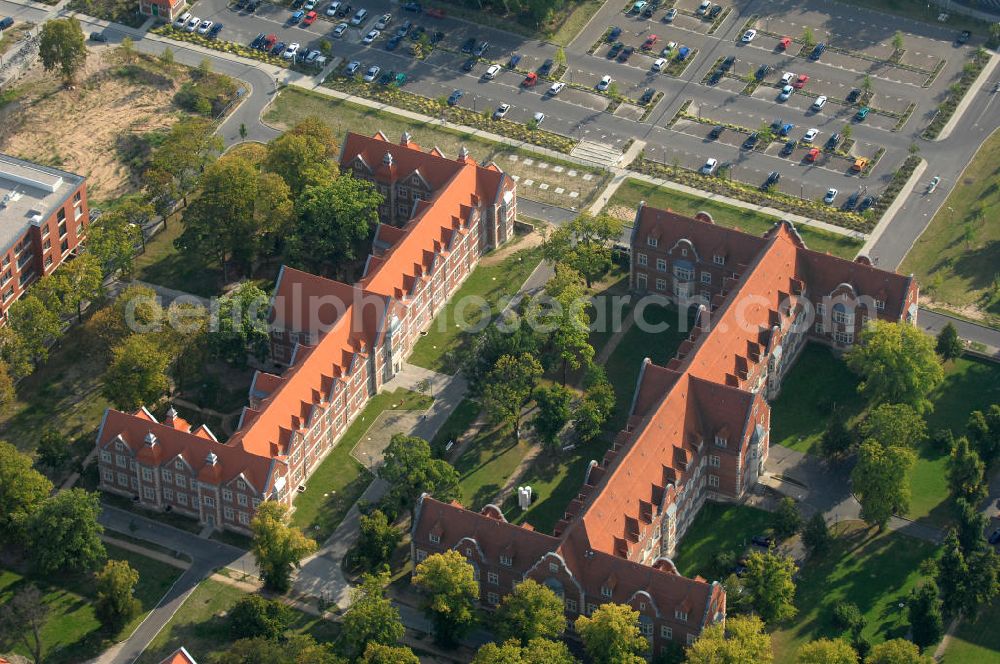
[
  {"x": 661, "y": 265},
  {"x": 640, "y": 281},
  {"x": 720, "y": 441},
  {"x": 421, "y": 555},
  {"x": 492, "y": 577},
  {"x": 123, "y": 479},
  {"x": 661, "y": 284},
  {"x": 182, "y": 498},
  {"x": 228, "y": 513},
  {"x": 713, "y": 481},
  {"x": 493, "y": 598},
  {"x": 241, "y": 485},
  {"x": 571, "y": 605},
  {"x": 684, "y": 273},
  {"x": 148, "y": 493},
  {"x": 208, "y": 501},
  {"x": 666, "y": 632},
  {"x": 719, "y": 259},
  {"x": 121, "y": 461},
  {"x": 706, "y": 277},
  {"x": 147, "y": 474},
  {"x": 166, "y": 475},
  {"x": 108, "y": 475},
  {"x": 690, "y": 639},
  {"x": 680, "y": 615},
  {"x": 818, "y": 327},
  {"x": 506, "y": 561},
  {"x": 841, "y": 315},
  {"x": 168, "y": 494},
  {"x": 244, "y": 518},
  {"x": 241, "y": 499},
  {"x": 227, "y": 495},
  {"x": 179, "y": 465},
  {"x": 880, "y": 304},
  {"x": 652, "y": 241},
  {"x": 605, "y": 591},
  {"x": 714, "y": 460},
  {"x": 591, "y": 608},
  {"x": 105, "y": 456},
  {"x": 646, "y": 627},
  {"x": 435, "y": 539},
  {"x": 641, "y": 259},
  {"x": 843, "y": 337},
  {"x": 180, "y": 481}
]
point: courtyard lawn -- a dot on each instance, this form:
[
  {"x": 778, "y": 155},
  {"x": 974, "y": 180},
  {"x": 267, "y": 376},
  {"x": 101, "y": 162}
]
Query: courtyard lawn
[
  {"x": 819, "y": 380},
  {"x": 72, "y": 632},
  {"x": 750, "y": 221},
  {"x": 339, "y": 480},
  {"x": 441, "y": 347},
  {"x": 638, "y": 343},
  {"x": 978, "y": 641},
  {"x": 956, "y": 258},
  {"x": 164, "y": 264},
  {"x": 458, "y": 423},
  {"x": 874, "y": 571},
  {"x": 487, "y": 462},
  {"x": 718, "y": 528},
  {"x": 200, "y": 625}
]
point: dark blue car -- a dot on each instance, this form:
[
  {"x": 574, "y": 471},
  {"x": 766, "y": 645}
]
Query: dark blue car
[
  {"x": 817, "y": 51},
  {"x": 296, "y": 17},
  {"x": 514, "y": 59},
  {"x": 614, "y": 33},
  {"x": 455, "y": 96},
  {"x": 278, "y": 48},
  {"x": 215, "y": 30},
  {"x": 393, "y": 43}
]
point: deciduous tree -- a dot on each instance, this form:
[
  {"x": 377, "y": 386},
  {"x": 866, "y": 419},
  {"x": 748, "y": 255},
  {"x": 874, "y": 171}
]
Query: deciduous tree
[
  {"x": 53, "y": 448},
  {"x": 410, "y": 471},
  {"x": 116, "y": 604},
  {"x": 553, "y": 412},
  {"x": 971, "y": 525},
  {"x": 243, "y": 326},
  {"x": 22, "y": 490},
  {"x": 881, "y": 483},
  {"x": 769, "y": 586},
  {"x": 377, "y": 653},
  {"x": 894, "y": 425},
  {"x": 949, "y": 345},
  {"x": 303, "y": 156},
  {"x": 966, "y": 472},
  {"x": 450, "y": 589},
  {"x": 255, "y": 616},
  {"x": 112, "y": 240},
  {"x": 538, "y": 651},
  {"x": 372, "y": 618},
  {"x": 137, "y": 375},
  {"x": 530, "y": 611},
  {"x": 64, "y": 534},
  {"x": 278, "y": 547},
  {"x": 897, "y": 651},
  {"x": 827, "y": 651},
  {"x": 187, "y": 149},
  {"x": 837, "y": 439},
  {"x": 508, "y": 387},
  {"x": 35, "y": 325},
  {"x": 984, "y": 433},
  {"x": 61, "y": 47},
  {"x": 23, "y": 618},
  {"x": 377, "y": 539},
  {"x": 788, "y": 520},
  {"x": 585, "y": 245},
  {"x": 334, "y": 220},
  {"x": 741, "y": 639},
  {"x": 79, "y": 281},
  {"x": 611, "y": 635},
  {"x": 897, "y": 364},
  {"x": 924, "y": 610},
  {"x": 816, "y": 536}
]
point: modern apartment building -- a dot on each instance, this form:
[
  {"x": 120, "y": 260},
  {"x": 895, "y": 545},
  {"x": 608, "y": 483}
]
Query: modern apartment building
[
  {"x": 339, "y": 343},
  {"x": 43, "y": 217}
]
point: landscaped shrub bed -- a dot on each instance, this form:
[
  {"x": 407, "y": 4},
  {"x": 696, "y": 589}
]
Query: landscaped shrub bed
[
  {"x": 390, "y": 94},
  {"x": 899, "y": 178},
  {"x": 752, "y": 194},
  {"x": 218, "y": 45},
  {"x": 119, "y": 11},
  {"x": 955, "y": 93}
]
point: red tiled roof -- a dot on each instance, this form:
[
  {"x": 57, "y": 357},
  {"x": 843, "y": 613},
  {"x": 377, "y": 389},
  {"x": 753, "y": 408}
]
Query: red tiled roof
[{"x": 180, "y": 656}]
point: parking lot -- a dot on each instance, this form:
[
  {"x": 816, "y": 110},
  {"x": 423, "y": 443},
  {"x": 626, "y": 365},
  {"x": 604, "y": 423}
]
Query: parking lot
[{"x": 901, "y": 89}]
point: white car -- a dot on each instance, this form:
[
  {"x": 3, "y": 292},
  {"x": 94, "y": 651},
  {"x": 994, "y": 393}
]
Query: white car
[
  {"x": 340, "y": 30},
  {"x": 787, "y": 78},
  {"x": 193, "y": 24},
  {"x": 309, "y": 6},
  {"x": 291, "y": 51},
  {"x": 205, "y": 27},
  {"x": 556, "y": 88},
  {"x": 501, "y": 111},
  {"x": 810, "y": 135},
  {"x": 332, "y": 9},
  {"x": 604, "y": 83},
  {"x": 370, "y": 37},
  {"x": 932, "y": 185},
  {"x": 831, "y": 194},
  {"x": 819, "y": 103},
  {"x": 372, "y": 73},
  {"x": 352, "y": 67},
  {"x": 709, "y": 166},
  {"x": 383, "y": 21},
  {"x": 703, "y": 7},
  {"x": 748, "y": 36},
  {"x": 182, "y": 20},
  {"x": 539, "y": 117},
  {"x": 659, "y": 64},
  {"x": 359, "y": 17},
  {"x": 786, "y": 92},
  {"x": 491, "y": 72}
]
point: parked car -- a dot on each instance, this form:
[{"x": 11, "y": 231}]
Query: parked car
[
  {"x": 709, "y": 166},
  {"x": 801, "y": 81},
  {"x": 784, "y": 43},
  {"x": 682, "y": 53},
  {"x": 556, "y": 88},
  {"x": 331, "y": 11},
  {"x": 352, "y": 68},
  {"x": 787, "y": 78},
  {"x": 530, "y": 80},
  {"x": 626, "y": 53},
  {"x": 278, "y": 48},
  {"x": 668, "y": 49},
  {"x": 785, "y": 93},
  {"x": 715, "y": 77},
  {"x": 867, "y": 202},
  {"x": 715, "y": 11},
  {"x": 659, "y": 64},
  {"x": 772, "y": 179},
  {"x": 455, "y": 96},
  {"x": 613, "y": 33},
  {"x": 515, "y": 58},
  {"x": 310, "y": 5},
  {"x": 762, "y": 540},
  {"x": 762, "y": 72},
  {"x": 340, "y": 30},
  {"x": 832, "y": 142},
  {"x": 751, "y": 141},
  {"x": 831, "y": 194},
  {"x": 468, "y": 45},
  {"x": 963, "y": 37},
  {"x": 214, "y": 31},
  {"x": 98, "y": 37},
  {"x": 413, "y": 7},
  {"x": 383, "y": 21},
  {"x": 372, "y": 73},
  {"x": 716, "y": 132},
  {"x": 932, "y": 185},
  {"x": 258, "y": 41},
  {"x": 501, "y": 111},
  {"x": 994, "y": 537},
  {"x": 728, "y": 63},
  {"x": 359, "y": 16},
  {"x": 480, "y": 50},
  {"x": 817, "y": 51},
  {"x": 862, "y": 113},
  {"x": 491, "y": 72},
  {"x": 851, "y": 202},
  {"x": 812, "y": 155},
  {"x": 819, "y": 102},
  {"x": 647, "y": 96},
  {"x": 344, "y": 9},
  {"x": 311, "y": 57},
  {"x": 748, "y": 36},
  {"x": 469, "y": 64},
  {"x": 853, "y": 95},
  {"x": 393, "y": 43},
  {"x": 788, "y": 148},
  {"x": 650, "y": 40},
  {"x": 296, "y": 17},
  {"x": 193, "y": 24},
  {"x": 670, "y": 15},
  {"x": 180, "y": 22},
  {"x": 291, "y": 51},
  {"x": 546, "y": 67},
  {"x": 252, "y": 6},
  {"x": 810, "y": 135},
  {"x": 370, "y": 37},
  {"x": 859, "y": 164},
  {"x": 604, "y": 83},
  {"x": 538, "y": 118},
  {"x": 703, "y": 7},
  {"x": 310, "y": 18},
  {"x": 270, "y": 41},
  {"x": 404, "y": 29},
  {"x": 786, "y": 129},
  {"x": 615, "y": 49}
]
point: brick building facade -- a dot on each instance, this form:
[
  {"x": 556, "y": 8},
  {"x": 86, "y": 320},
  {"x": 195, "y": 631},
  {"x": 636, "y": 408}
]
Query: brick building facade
[
  {"x": 339, "y": 342},
  {"x": 43, "y": 218},
  {"x": 698, "y": 427}
]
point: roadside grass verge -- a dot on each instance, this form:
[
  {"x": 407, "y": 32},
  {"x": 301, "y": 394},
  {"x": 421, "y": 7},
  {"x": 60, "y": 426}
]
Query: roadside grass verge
[
  {"x": 339, "y": 480},
  {"x": 749, "y": 221}
]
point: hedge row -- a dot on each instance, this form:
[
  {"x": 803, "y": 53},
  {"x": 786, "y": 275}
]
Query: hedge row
[
  {"x": 899, "y": 178},
  {"x": 955, "y": 94},
  {"x": 393, "y": 96},
  {"x": 170, "y": 31}
]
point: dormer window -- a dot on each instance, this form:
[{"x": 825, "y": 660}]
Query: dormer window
[
  {"x": 720, "y": 441},
  {"x": 435, "y": 539},
  {"x": 684, "y": 251},
  {"x": 680, "y": 615},
  {"x": 605, "y": 592},
  {"x": 179, "y": 465},
  {"x": 553, "y": 568},
  {"x": 506, "y": 561},
  {"x": 652, "y": 241},
  {"x": 880, "y": 304},
  {"x": 719, "y": 259}
]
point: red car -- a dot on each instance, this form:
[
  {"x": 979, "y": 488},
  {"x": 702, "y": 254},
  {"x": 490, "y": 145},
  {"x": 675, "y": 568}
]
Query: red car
[
  {"x": 648, "y": 44},
  {"x": 813, "y": 154},
  {"x": 530, "y": 80},
  {"x": 434, "y": 12},
  {"x": 271, "y": 40},
  {"x": 800, "y": 82},
  {"x": 309, "y": 19},
  {"x": 784, "y": 43}
]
